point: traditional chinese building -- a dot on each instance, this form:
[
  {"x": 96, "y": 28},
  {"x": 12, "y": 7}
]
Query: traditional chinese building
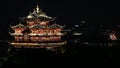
[{"x": 38, "y": 30}]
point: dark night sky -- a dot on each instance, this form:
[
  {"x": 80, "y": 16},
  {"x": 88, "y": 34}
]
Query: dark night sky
[
  {"x": 69, "y": 12},
  {"x": 65, "y": 12}
]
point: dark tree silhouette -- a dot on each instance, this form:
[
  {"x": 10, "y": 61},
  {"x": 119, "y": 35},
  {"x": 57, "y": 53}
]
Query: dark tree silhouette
[{"x": 5, "y": 38}]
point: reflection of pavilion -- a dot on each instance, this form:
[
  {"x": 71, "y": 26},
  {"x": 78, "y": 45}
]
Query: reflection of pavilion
[{"x": 37, "y": 31}]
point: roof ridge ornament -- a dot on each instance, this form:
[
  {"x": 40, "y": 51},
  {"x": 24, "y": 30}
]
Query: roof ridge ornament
[{"x": 37, "y": 8}]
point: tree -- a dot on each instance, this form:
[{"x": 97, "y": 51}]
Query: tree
[{"x": 5, "y": 38}]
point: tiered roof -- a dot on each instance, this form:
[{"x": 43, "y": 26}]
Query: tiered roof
[
  {"x": 55, "y": 26},
  {"x": 37, "y": 14},
  {"x": 37, "y": 26},
  {"x": 19, "y": 26}
]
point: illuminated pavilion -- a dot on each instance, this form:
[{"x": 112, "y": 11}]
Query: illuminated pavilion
[{"x": 38, "y": 31}]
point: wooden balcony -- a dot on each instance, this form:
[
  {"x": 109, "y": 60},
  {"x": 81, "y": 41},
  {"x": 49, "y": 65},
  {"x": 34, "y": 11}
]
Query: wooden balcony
[{"x": 38, "y": 45}]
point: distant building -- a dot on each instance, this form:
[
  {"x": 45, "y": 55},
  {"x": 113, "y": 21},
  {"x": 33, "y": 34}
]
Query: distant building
[{"x": 38, "y": 31}]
